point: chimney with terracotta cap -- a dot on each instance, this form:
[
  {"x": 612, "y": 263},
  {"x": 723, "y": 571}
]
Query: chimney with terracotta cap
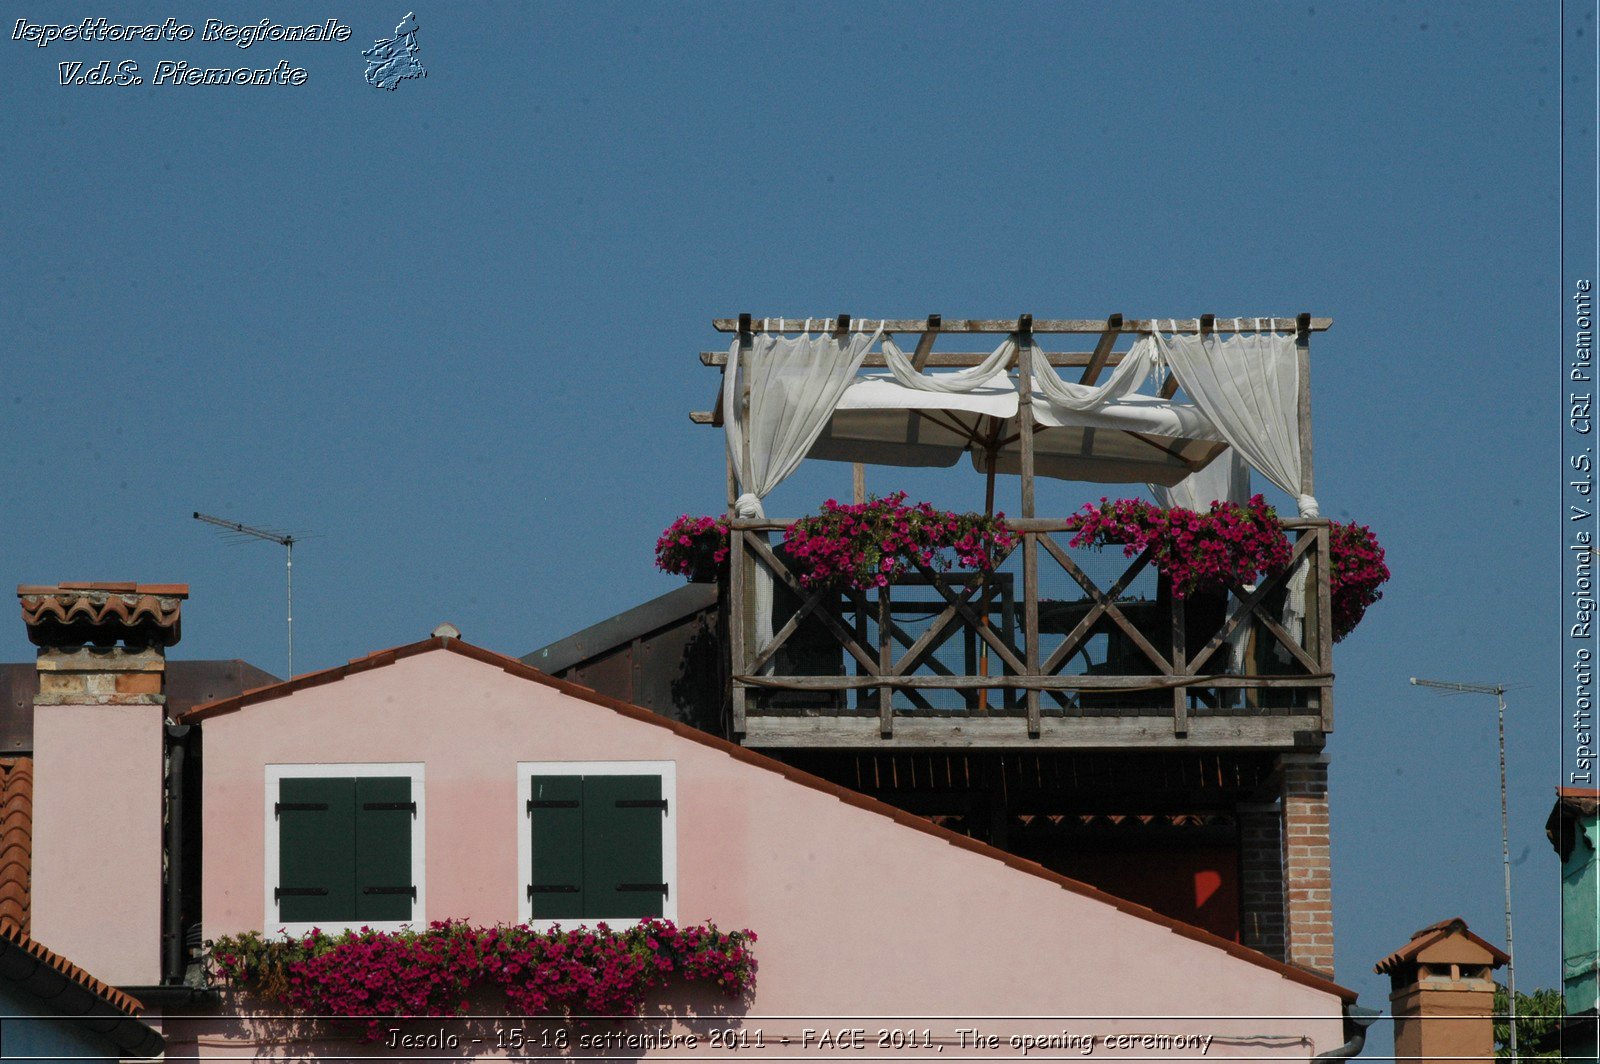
[
  {"x": 98, "y": 771},
  {"x": 1442, "y": 994}
]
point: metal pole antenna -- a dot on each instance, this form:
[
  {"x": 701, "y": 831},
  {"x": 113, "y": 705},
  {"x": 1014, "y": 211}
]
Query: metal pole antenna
[
  {"x": 288, "y": 569},
  {"x": 1505, "y": 836},
  {"x": 284, "y": 540},
  {"x": 1505, "y": 863}
]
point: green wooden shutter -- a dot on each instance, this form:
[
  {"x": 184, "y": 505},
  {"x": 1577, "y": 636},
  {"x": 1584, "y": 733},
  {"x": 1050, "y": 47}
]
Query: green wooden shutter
[
  {"x": 385, "y": 887},
  {"x": 316, "y": 850},
  {"x": 622, "y": 846},
  {"x": 556, "y": 809}
]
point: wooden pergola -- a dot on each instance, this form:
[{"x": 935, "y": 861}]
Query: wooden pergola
[{"x": 1269, "y": 708}]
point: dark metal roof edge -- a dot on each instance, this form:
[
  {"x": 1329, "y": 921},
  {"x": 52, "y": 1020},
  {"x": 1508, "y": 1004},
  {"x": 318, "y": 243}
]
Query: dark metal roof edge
[
  {"x": 66, "y": 994},
  {"x": 625, "y": 627}
]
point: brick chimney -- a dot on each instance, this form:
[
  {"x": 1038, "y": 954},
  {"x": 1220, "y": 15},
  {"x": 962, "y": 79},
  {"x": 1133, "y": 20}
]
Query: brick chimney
[
  {"x": 1442, "y": 994},
  {"x": 1307, "y": 867},
  {"x": 98, "y": 766}
]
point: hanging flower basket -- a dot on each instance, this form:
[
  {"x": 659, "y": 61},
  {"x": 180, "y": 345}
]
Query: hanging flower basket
[
  {"x": 1358, "y": 572},
  {"x": 1232, "y": 544},
  {"x": 862, "y": 546},
  {"x": 695, "y": 547},
  {"x": 872, "y": 544},
  {"x": 1198, "y": 552}
]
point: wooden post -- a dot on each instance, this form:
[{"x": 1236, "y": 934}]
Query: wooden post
[
  {"x": 1025, "y": 407},
  {"x": 1030, "y": 544},
  {"x": 739, "y": 605},
  {"x": 1302, "y": 345},
  {"x": 858, "y": 483},
  {"x": 1319, "y": 609},
  {"x": 746, "y": 341},
  {"x": 858, "y": 606},
  {"x": 885, "y": 664},
  {"x": 1325, "y": 619},
  {"x": 1030, "y": 622},
  {"x": 919, "y": 358},
  {"x": 1102, "y": 349},
  {"x": 1180, "y": 660},
  {"x": 737, "y": 561}
]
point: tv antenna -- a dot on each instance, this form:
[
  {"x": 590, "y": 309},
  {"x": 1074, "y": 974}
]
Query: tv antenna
[
  {"x": 284, "y": 540},
  {"x": 1499, "y": 692}
]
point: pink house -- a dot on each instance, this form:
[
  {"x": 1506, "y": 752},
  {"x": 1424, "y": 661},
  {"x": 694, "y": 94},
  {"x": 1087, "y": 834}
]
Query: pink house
[{"x": 460, "y": 770}]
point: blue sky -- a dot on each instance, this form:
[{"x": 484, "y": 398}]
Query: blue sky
[{"x": 450, "y": 331}]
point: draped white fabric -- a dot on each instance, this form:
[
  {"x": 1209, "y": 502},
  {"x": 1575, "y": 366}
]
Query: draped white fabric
[
  {"x": 1248, "y": 386},
  {"x": 1227, "y": 479},
  {"x": 965, "y": 381},
  {"x": 1124, "y": 381},
  {"x": 795, "y": 384}
]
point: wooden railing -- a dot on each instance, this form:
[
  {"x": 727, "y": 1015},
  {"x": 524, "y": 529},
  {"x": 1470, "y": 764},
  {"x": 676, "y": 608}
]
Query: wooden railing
[{"x": 956, "y": 647}]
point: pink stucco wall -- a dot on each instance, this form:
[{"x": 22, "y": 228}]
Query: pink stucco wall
[
  {"x": 96, "y": 889},
  {"x": 857, "y": 915}
]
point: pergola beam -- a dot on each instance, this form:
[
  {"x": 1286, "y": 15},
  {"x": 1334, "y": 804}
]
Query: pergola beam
[
  {"x": 1009, "y": 325},
  {"x": 1102, "y": 350},
  {"x": 949, "y": 359}
]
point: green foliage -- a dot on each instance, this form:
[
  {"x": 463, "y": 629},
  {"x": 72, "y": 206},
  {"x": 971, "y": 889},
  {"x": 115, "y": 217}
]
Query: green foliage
[{"x": 1538, "y": 1014}]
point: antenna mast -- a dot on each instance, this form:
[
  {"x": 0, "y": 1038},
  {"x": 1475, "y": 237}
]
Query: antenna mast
[
  {"x": 1505, "y": 835},
  {"x": 284, "y": 540}
]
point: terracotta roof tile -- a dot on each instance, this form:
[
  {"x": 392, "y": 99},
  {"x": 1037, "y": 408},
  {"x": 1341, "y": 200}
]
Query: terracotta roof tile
[
  {"x": 72, "y": 614},
  {"x": 381, "y": 658},
  {"x": 1427, "y": 936},
  {"x": 16, "y": 841},
  {"x": 1582, "y": 801}
]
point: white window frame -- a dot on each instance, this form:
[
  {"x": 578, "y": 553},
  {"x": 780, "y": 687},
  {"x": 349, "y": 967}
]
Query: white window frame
[
  {"x": 272, "y": 926},
  {"x": 666, "y": 770}
]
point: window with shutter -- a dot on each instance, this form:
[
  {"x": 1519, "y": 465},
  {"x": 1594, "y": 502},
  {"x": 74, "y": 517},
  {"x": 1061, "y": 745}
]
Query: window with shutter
[
  {"x": 555, "y": 891},
  {"x": 622, "y": 846},
  {"x": 347, "y": 846},
  {"x": 383, "y": 889},
  {"x": 316, "y": 850},
  {"x": 599, "y": 841}
]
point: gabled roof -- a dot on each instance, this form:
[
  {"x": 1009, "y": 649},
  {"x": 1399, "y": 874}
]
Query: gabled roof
[
  {"x": 1434, "y": 933},
  {"x": 383, "y": 658},
  {"x": 64, "y": 989}
]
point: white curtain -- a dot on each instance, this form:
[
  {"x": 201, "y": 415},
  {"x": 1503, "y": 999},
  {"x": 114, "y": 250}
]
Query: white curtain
[
  {"x": 1124, "y": 381},
  {"x": 965, "y": 381},
  {"x": 795, "y": 384},
  {"x": 1249, "y": 387},
  {"x": 1226, "y": 479}
]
